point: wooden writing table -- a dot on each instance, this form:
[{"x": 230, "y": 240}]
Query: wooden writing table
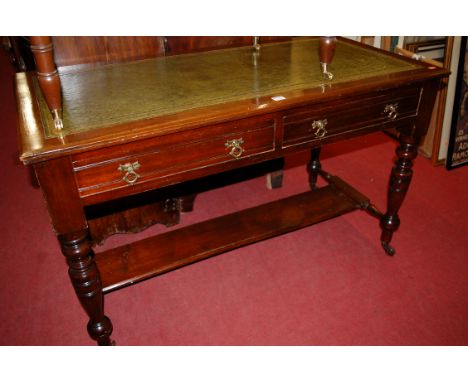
[{"x": 133, "y": 127}]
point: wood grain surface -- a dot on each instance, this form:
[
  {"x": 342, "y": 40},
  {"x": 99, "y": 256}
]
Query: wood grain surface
[{"x": 134, "y": 262}]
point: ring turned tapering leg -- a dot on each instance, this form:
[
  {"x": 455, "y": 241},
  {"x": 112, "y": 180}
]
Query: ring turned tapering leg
[
  {"x": 400, "y": 179},
  {"x": 87, "y": 284}
]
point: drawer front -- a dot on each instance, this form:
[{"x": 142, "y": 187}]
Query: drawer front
[
  {"x": 318, "y": 122},
  {"x": 160, "y": 158}
]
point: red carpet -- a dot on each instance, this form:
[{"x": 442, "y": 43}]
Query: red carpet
[{"x": 330, "y": 284}]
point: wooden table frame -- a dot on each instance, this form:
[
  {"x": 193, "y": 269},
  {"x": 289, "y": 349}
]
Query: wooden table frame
[{"x": 64, "y": 166}]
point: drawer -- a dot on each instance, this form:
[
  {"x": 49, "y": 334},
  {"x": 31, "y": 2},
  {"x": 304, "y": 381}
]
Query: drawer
[
  {"x": 158, "y": 159},
  {"x": 321, "y": 121}
]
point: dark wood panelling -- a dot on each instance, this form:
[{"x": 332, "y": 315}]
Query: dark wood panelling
[
  {"x": 130, "y": 48},
  {"x": 189, "y": 44},
  {"x": 71, "y": 50}
]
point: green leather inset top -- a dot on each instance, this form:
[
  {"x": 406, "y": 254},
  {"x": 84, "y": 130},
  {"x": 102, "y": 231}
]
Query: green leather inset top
[{"x": 114, "y": 94}]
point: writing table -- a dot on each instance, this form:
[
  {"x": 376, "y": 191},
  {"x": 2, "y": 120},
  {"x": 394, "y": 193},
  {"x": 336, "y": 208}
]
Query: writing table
[{"x": 124, "y": 129}]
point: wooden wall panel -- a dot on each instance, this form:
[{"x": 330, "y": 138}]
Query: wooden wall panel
[
  {"x": 69, "y": 50},
  {"x": 82, "y": 50},
  {"x": 131, "y": 48},
  {"x": 188, "y": 44}
]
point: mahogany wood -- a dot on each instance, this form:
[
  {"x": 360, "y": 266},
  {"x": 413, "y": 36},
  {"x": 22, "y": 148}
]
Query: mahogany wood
[
  {"x": 49, "y": 81},
  {"x": 327, "y": 49},
  {"x": 69, "y": 223},
  {"x": 402, "y": 172},
  {"x": 58, "y": 186},
  {"x": 89, "y": 50},
  {"x": 348, "y": 114},
  {"x": 81, "y": 50},
  {"x": 79, "y": 170},
  {"x": 314, "y": 167},
  {"x": 360, "y": 200},
  {"x": 97, "y": 175},
  {"x": 85, "y": 278},
  {"x": 70, "y": 50},
  {"x": 188, "y": 44},
  {"x": 53, "y": 147},
  {"x": 74, "y": 52},
  {"x": 167, "y": 157},
  {"x": 138, "y": 218},
  {"x": 126, "y": 265}
]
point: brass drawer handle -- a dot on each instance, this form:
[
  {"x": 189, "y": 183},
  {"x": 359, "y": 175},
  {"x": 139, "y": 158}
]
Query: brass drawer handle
[
  {"x": 319, "y": 127},
  {"x": 129, "y": 169},
  {"x": 391, "y": 110},
  {"x": 235, "y": 146}
]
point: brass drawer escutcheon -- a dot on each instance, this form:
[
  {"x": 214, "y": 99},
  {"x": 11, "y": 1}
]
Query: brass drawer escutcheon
[
  {"x": 319, "y": 128},
  {"x": 391, "y": 110},
  {"x": 235, "y": 146},
  {"x": 131, "y": 176}
]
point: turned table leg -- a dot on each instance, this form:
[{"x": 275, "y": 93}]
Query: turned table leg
[
  {"x": 402, "y": 172},
  {"x": 400, "y": 179},
  {"x": 60, "y": 192},
  {"x": 314, "y": 167},
  {"x": 85, "y": 278}
]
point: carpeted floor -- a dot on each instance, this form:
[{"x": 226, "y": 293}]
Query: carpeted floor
[{"x": 328, "y": 284}]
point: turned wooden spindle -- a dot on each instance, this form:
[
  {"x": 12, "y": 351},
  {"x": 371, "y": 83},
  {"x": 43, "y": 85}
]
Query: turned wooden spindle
[
  {"x": 87, "y": 284},
  {"x": 400, "y": 180},
  {"x": 47, "y": 75},
  {"x": 402, "y": 172},
  {"x": 71, "y": 227},
  {"x": 327, "y": 46}
]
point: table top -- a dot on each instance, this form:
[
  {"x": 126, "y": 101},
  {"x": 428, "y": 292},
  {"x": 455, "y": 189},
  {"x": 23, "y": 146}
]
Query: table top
[{"x": 164, "y": 93}]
